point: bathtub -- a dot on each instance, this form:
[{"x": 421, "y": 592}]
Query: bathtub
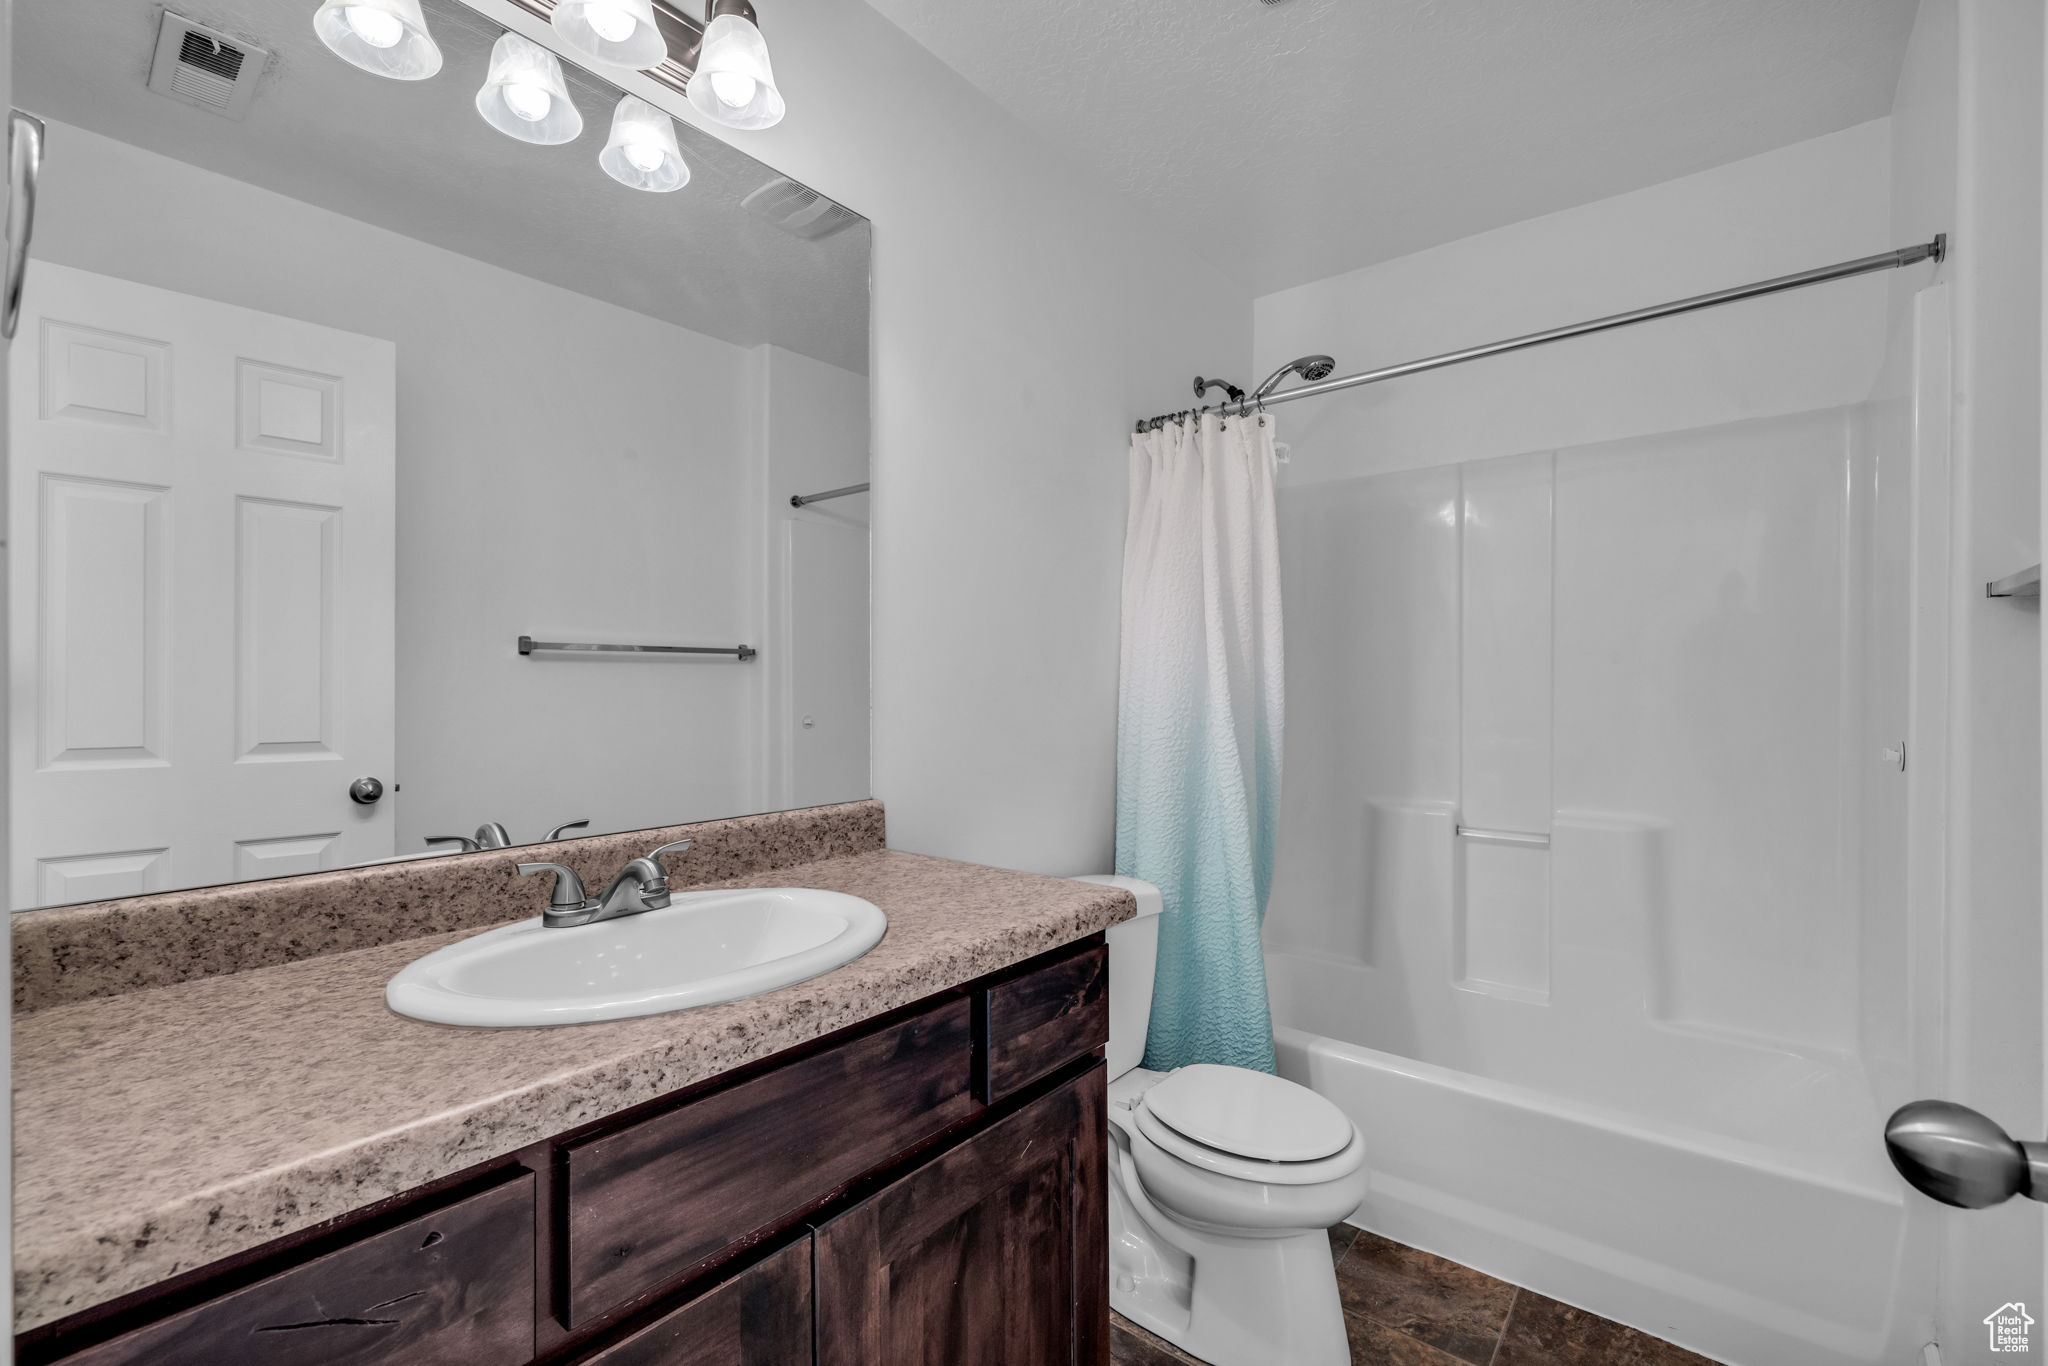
[{"x": 1740, "y": 1253}]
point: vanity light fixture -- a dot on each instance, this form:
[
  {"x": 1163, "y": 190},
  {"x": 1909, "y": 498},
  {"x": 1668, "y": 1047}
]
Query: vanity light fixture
[
  {"x": 525, "y": 96},
  {"x": 642, "y": 151},
  {"x": 387, "y": 37},
  {"x": 615, "y": 32},
  {"x": 733, "y": 83}
]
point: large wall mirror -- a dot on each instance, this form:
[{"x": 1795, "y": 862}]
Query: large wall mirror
[{"x": 323, "y": 400}]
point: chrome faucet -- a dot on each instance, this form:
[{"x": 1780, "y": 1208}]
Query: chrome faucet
[
  {"x": 491, "y": 835},
  {"x": 642, "y": 885}
]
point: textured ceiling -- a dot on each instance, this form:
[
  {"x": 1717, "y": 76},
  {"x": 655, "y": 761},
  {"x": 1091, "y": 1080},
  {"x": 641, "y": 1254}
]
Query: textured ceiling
[
  {"x": 1294, "y": 141},
  {"x": 415, "y": 158}
]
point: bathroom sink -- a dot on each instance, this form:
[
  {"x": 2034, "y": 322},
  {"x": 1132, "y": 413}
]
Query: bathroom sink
[{"x": 704, "y": 948}]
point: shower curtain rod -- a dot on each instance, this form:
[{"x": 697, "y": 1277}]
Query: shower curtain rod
[{"x": 1862, "y": 265}]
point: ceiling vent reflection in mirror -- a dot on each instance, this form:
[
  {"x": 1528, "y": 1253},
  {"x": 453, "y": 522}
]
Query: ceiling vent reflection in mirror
[
  {"x": 200, "y": 66},
  {"x": 799, "y": 209}
]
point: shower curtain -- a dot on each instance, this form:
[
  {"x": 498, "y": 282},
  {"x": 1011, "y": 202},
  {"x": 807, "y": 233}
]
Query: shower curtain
[{"x": 1198, "y": 727}]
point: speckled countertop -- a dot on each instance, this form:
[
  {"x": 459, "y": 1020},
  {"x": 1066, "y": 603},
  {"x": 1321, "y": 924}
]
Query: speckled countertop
[{"x": 163, "y": 1129}]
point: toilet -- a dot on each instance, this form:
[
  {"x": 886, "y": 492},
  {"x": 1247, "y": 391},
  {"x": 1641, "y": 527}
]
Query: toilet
[{"x": 1222, "y": 1184}]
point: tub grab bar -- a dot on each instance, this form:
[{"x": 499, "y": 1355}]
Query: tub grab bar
[{"x": 1527, "y": 838}]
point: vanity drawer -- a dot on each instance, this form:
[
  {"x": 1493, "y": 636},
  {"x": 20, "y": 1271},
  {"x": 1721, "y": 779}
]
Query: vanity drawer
[
  {"x": 761, "y": 1317},
  {"x": 647, "y": 1202},
  {"x": 451, "y": 1288},
  {"x": 1046, "y": 1018}
]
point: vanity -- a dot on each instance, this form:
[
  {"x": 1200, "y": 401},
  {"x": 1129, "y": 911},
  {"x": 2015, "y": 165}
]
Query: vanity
[{"x": 899, "y": 1161}]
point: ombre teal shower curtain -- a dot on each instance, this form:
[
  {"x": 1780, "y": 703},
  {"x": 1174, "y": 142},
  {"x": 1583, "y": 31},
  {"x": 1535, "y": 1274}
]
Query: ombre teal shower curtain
[{"x": 1199, "y": 720}]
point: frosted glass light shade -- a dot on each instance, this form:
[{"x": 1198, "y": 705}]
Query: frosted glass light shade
[
  {"x": 733, "y": 83},
  {"x": 616, "y": 32},
  {"x": 525, "y": 96},
  {"x": 642, "y": 150},
  {"x": 386, "y": 37}
]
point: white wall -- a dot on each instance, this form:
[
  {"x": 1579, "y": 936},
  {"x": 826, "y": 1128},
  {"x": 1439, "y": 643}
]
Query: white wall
[
  {"x": 1024, "y": 316},
  {"x": 1809, "y": 204},
  {"x": 623, "y": 515}
]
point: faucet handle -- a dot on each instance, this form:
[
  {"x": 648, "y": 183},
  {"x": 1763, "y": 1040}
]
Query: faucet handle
[
  {"x": 469, "y": 846},
  {"x": 653, "y": 856},
  {"x": 654, "y": 890},
  {"x": 569, "y": 894},
  {"x": 562, "y": 830}
]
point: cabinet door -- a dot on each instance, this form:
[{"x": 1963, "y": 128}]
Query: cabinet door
[
  {"x": 648, "y": 1201},
  {"x": 761, "y": 1317},
  {"x": 995, "y": 1253}
]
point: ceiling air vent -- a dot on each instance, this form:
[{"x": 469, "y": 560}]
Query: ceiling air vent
[
  {"x": 799, "y": 209},
  {"x": 199, "y": 66}
]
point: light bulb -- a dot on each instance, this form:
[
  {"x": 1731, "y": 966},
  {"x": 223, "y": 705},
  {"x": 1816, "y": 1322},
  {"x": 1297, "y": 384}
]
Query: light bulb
[
  {"x": 609, "y": 22},
  {"x": 530, "y": 102},
  {"x": 383, "y": 37},
  {"x": 734, "y": 84},
  {"x": 644, "y": 156},
  {"x": 641, "y": 152},
  {"x": 735, "y": 89},
  {"x": 374, "y": 26}
]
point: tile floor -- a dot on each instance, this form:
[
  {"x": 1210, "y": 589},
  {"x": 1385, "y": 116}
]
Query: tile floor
[{"x": 1407, "y": 1308}]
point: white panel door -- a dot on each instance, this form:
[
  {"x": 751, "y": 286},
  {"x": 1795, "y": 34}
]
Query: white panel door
[{"x": 201, "y": 617}]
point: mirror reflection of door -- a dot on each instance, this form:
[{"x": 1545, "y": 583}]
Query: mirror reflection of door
[
  {"x": 201, "y": 502},
  {"x": 596, "y": 405}
]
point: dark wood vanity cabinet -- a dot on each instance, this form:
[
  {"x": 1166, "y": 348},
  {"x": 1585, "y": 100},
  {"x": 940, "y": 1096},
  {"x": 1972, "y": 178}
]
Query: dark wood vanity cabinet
[
  {"x": 450, "y": 1286},
  {"x": 995, "y": 1251},
  {"x": 761, "y": 1317},
  {"x": 926, "y": 1187},
  {"x": 682, "y": 1187}
]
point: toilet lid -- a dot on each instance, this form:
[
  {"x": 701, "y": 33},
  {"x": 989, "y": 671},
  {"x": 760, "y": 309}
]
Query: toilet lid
[{"x": 1251, "y": 1114}]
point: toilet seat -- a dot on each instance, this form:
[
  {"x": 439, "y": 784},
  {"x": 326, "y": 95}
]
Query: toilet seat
[
  {"x": 1249, "y": 1125},
  {"x": 1249, "y": 1114}
]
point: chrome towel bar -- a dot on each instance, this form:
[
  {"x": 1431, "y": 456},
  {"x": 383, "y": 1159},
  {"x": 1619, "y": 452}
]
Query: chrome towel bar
[
  {"x": 527, "y": 645},
  {"x": 800, "y": 499}
]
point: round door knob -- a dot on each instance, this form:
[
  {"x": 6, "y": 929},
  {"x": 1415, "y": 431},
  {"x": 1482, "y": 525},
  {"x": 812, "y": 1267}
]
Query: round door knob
[
  {"x": 1962, "y": 1158},
  {"x": 365, "y": 791}
]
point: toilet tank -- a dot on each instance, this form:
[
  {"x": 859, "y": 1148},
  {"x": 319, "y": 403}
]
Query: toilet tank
[{"x": 1133, "y": 958}]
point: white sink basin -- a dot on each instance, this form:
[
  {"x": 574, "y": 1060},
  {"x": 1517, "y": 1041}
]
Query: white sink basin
[{"x": 704, "y": 948}]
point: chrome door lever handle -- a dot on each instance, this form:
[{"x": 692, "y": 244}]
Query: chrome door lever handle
[
  {"x": 24, "y": 166},
  {"x": 1961, "y": 1158}
]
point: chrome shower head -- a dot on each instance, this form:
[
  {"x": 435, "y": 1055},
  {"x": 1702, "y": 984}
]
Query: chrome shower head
[{"x": 1310, "y": 368}]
